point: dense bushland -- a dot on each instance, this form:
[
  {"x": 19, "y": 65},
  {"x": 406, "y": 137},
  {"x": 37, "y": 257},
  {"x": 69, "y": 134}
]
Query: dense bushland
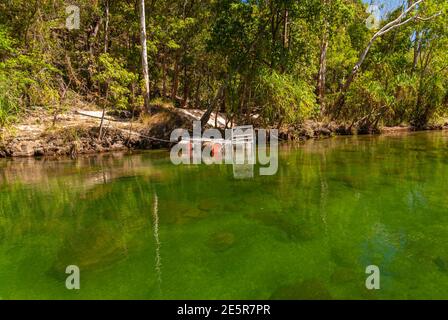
[{"x": 283, "y": 60}]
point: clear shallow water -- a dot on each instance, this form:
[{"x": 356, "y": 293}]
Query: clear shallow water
[{"x": 334, "y": 207}]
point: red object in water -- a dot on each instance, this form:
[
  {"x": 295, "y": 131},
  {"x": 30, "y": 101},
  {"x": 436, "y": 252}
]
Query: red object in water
[
  {"x": 216, "y": 150},
  {"x": 189, "y": 149}
]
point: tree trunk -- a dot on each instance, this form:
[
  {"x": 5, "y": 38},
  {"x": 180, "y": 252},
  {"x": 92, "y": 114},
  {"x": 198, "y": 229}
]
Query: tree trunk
[
  {"x": 175, "y": 80},
  {"x": 206, "y": 116},
  {"x": 285, "y": 29},
  {"x": 196, "y": 93},
  {"x": 417, "y": 50},
  {"x": 106, "y": 34},
  {"x": 321, "y": 77},
  {"x": 100, "y": 133},
  {"x": 186, "y": 88},
  {"x": 164, "y": 75},
  {"x": 146, "y": 93},
  {"x": 106, "y": 28},
  {"x": 91, "y": 36}
]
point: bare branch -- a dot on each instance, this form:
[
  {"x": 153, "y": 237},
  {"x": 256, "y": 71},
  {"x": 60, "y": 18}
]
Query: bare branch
[
  {"x": 397, "y": 25},
  {"x": 385, "y": 29},
  {"x": 401, "y": 16},
  {"x": 429, "y": 18}
]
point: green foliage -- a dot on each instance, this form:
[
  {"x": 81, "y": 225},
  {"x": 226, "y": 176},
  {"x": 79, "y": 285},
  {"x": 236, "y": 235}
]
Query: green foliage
[
  {"x": 267, "y": 54},
  {"x": 285, "y": 99},
  {"x": 6, "y": 43},
  {"x": 369, "y": 101},
  {"x": 116, "y": 80},
  {"x": 8, "y": 92},
  {"x": 406, "y": 90},
  {"x": 8, "y": 101}
]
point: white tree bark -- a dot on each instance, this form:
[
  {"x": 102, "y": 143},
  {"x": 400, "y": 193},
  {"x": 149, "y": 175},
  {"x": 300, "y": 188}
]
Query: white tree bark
[
  {"x": 106, "y": 27},
  {"x": 144, "y": 54},
  {"x": 400, "y": 21},
  {"x": 321, "y": 77}
]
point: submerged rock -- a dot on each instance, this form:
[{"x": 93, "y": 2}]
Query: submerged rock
[
  {"x": 310, "y": 289},
  {"x": 343, "y": 257},
  {"x": 295, "y": 230},
  {"x": 91, "y": 248},
  {"x": 221, "y": 241},
  {"x": 441, "y": 264},
  {"x": 206, "y": 205},
  {"x": 343, "y": 275},
  {"x": 179, "y": 212}
]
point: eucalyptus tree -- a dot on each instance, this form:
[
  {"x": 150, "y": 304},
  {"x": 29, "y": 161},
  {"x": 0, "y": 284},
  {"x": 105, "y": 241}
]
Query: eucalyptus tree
[
  {"x": 144, "y": 50},
  {"x": 408, "y": 15}
]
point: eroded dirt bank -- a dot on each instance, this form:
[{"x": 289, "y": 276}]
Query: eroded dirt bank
[{"x": 78, "y": 132}]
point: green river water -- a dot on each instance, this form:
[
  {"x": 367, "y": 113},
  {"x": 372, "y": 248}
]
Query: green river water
[{"x": 309, "y": 232}]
